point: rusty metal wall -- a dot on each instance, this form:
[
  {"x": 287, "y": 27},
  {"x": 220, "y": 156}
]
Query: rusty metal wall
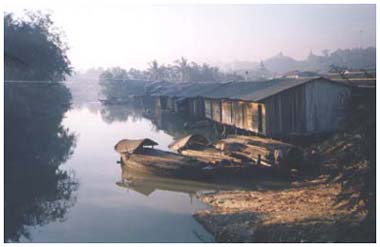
[
  {"x": 216, "y": 110},
  {"x": 227, "y": 112},
  {"x": 285, "y": 112},
  {"x": 325, "y": 105},
  {"x": 208, "y": 108},
  {"x": 314, "y": 107}
]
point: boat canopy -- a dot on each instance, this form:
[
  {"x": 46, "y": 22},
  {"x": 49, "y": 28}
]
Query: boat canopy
[
  {"x": 132, "y": 146},
  {"x": 190, "y": 141}
]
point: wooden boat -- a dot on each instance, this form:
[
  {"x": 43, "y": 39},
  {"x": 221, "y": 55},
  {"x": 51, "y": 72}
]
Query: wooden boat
[
  {"x": 189, "y": 142},
  {"x": 134, "y": 146},
  {"x": 140, "y": 155},
  {"x": 261, "y": 151},
  {"x": 242, "y": 155}
]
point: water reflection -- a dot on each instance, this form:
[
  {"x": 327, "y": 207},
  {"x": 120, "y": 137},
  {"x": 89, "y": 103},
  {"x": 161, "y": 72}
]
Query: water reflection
[
  {"x": 146, "y": 184},
  {"x": 104, "y": 212},
  {"x": 43, "y": 200},
  {"x": 176, "y": 125},
  {"x": 37, "y": 191}
]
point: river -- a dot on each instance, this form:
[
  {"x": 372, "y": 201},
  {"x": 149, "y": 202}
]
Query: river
[{"x": 104, "y": 211}]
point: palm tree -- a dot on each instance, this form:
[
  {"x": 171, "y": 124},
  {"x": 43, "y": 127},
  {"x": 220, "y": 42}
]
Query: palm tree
[
  {"x": 182, "y": 67},
  {"x": 154, "y": 71}
]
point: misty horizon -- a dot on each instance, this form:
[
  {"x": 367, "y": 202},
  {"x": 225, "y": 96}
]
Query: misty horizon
[
  {"x": 130, "y": 36},
  {"x": 227, "y": 65}
]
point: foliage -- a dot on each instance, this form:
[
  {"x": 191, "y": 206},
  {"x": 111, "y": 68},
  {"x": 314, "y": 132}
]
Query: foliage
[
  {"x": 115, "y": 84},
  {"x": 180, "y": 71},
  {"x": 359, "y": 162},
  {"x": 37, "y": 191},
  {"x": 351, "y": 159},
  {"x": 34, "y": 48}
]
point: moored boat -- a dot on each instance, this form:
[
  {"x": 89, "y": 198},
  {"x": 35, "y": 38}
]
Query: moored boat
[{"x": 140, "y": 155}]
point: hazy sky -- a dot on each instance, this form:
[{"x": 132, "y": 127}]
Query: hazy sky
[{"x": 101, "y": 33}]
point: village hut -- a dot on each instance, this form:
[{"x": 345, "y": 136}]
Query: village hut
[
  {"x": 191, "y": 98},
  {"x": 167, "y": 97},
  {"x": 184, "y": 98},
  {"x": 279, "y": 107},
  {"x": 128, "y": 146},
  {"x": 189, "y": 142}
]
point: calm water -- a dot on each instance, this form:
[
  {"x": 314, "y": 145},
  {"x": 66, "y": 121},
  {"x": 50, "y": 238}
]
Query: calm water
[
  {"x": 106, "y": 211},
  {"x": 63, "y": 182},
  {"x": 90, "y": 199}
]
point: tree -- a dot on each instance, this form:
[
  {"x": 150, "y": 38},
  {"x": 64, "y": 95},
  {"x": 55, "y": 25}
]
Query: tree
[
  {"x": 36, "y": 190},
  {"x": 117, "y": 86},
  {"x": 182, "y": 68},
  {"x": 154, "y": 70},
  {"x": 325, "y": 52},
  {"x": 181, "y": 71},
  {"x": 35, "y": 48}
]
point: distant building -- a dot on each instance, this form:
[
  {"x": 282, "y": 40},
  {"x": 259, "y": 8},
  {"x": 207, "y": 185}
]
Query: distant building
[
  {"x": 279, "y": 107},
  {"x": 185, "y": 98},
  {"x": 296, "y": 74},
  {"x": 273, "y": 108}
]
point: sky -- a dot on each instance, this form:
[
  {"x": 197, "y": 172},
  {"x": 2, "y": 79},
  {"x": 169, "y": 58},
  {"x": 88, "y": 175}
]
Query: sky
[{"x": 115, "y": 33}]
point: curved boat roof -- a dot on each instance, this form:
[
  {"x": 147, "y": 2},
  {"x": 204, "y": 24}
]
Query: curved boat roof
[{"x": 130, "y": 146}]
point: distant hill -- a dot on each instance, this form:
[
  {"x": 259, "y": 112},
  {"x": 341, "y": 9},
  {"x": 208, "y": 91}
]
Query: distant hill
[
  {"x": 355, "y": 59},
  {"x": 281, "y": 64}
]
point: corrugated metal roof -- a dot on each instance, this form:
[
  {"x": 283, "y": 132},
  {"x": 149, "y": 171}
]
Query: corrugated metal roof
[
  {"x": 199, "y": 89},
  {"x": 247, "y": 91},
  {"x": 186, "y": 90},
  {"x": 157, "y": 88},
  {"x": 258, "y": 90},
  {"x": 176, "y": 89}
]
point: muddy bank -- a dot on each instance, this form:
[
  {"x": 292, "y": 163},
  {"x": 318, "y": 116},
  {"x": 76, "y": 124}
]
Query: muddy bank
[
  {"x": 334, "y": 204},
  {"x": 304, "y": 213}
]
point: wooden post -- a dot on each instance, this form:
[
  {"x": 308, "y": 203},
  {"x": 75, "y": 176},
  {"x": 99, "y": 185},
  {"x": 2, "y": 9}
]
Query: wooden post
[{"x": 259, "y": 159}]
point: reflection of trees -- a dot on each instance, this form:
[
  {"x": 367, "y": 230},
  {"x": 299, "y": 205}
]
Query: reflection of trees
[
  {"x": 176, "y": 125},
  {"x": 121, "y": 113},
  {"x": 37, "y": 190},
  {"x": 179, "y": 125}
]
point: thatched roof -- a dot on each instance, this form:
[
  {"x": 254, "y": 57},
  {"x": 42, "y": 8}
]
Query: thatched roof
[
  {"x": 130, "y": 146},
  {"x": 188, "y": 141}
]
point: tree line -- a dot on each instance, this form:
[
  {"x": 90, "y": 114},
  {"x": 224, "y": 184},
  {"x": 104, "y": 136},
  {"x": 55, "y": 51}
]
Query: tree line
[{"x": 181, "y": 71}]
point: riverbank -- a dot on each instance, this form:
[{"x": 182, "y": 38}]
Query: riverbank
[
  {"x": 305, "y": 214},
  {"x": 333, "y": 206}
]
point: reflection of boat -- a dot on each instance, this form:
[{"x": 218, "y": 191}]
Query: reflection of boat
[
  {"x": 140, "y": 155},
  {"x": 147, "y": 183}
]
